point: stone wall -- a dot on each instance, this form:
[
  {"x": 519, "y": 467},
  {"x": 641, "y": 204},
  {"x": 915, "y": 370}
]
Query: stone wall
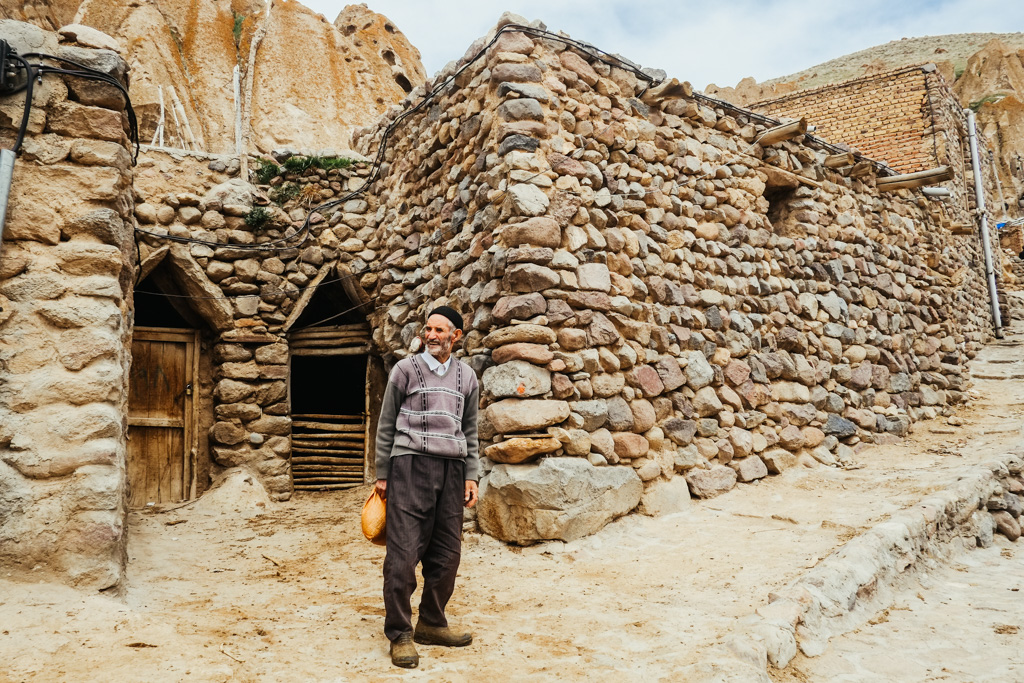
[
  {"x": 647, "y": 288},
  {"x": 649, "y": 295},
  {"x": 66, "y": 269},
  {"x": 251, "y": 290}
]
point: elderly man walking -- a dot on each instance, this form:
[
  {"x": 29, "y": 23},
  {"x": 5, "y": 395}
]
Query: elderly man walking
[{"x": 427, "y": 469}]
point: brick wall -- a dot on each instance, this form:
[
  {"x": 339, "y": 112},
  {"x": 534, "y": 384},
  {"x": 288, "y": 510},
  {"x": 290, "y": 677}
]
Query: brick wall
[{"x": 887, "y": 117}]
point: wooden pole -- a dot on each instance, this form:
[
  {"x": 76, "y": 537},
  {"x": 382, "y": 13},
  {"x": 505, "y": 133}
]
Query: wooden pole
[
  {"x": 912, "y": 180},
  {"x": 781, "y": 133},
  {"x": 160, "y": 127}
]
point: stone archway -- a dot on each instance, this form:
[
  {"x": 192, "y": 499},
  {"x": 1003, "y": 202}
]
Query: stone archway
[{"x": 178, "y": 315}]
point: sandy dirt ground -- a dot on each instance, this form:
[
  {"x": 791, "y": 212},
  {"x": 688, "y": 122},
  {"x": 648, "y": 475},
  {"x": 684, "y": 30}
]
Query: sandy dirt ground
[
  {"x": 963, "y": 622},
  {"x": 224, "y": 589}
]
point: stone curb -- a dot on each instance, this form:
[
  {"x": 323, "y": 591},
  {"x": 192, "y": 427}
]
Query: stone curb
[{"x": 862, "y": 577}]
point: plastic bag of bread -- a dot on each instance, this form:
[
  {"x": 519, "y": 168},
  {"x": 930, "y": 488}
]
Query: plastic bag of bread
[{"x": 374, "y": 518}]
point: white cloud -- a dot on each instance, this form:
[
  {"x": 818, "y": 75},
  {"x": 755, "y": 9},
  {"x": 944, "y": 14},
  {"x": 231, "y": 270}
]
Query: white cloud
[{"x": 702, "y": 42}]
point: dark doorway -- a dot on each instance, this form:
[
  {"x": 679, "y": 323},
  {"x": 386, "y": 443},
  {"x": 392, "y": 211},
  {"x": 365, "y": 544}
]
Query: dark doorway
[{"x": 333, "y": 409}]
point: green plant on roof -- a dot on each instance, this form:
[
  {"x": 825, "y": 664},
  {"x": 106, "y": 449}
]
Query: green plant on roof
[
  {"x": 257, "y": 219},
  {"x": 267, "y": 171},
  {"x": 298, "y": 164},
  {"x": 281, "y": 194},
  {"x": 330, "y": 163}
]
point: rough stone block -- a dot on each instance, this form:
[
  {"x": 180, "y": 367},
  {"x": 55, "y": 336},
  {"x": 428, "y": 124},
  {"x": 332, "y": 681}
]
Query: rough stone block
[
  {"x": 749, "y": 469},
  {"x": 578, "y": 499},
  {"x": 516, "y": 378},
  {"x": 518, "y": 415},
  {"x": 665, "y": 497},
  {"x": 630, "y": 446},
  {"x": 526, "y": 333},
  {"x": 521, "y": 307},
  {"x": 540, "y": 232},
  {"x": 519, "y": 450},
  {"x": 712, "y": 482},
  {"x": 74, "y": 120}
]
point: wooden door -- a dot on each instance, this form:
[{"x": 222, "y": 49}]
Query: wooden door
[{"x": 162, "y": 416}]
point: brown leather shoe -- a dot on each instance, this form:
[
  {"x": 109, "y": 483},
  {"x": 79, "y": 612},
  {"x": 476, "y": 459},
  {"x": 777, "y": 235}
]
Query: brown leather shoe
[
  {"x": 441, "y": 635},
  {"x": 403, "y": 652}
]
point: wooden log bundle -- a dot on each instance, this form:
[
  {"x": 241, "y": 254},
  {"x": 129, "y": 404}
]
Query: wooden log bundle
[
  {"x": 328, "y": 451},
  {"x": 336, "y": 340}
]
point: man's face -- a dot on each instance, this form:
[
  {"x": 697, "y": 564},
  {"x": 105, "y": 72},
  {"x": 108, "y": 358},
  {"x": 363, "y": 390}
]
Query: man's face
[{"x": 440, "y": 337}]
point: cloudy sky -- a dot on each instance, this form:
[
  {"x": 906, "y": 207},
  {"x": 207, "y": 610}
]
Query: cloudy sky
[{"x": 713, "y": 41}]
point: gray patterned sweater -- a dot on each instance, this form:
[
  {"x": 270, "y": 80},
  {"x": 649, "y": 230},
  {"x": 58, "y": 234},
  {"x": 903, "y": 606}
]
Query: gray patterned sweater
[{"x": 428, "y": 414}]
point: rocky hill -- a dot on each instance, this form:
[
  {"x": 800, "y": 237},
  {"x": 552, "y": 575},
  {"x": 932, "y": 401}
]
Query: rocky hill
[
  {"x": 986, "y": 71},
  {"x": 305, "y": 82}
]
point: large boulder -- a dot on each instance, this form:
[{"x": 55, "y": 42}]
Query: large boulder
[{"x": 557, "y": 499}]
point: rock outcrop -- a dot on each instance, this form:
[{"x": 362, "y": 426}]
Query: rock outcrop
[
  {"x": 305, "y": 83},
  {"x": 993, "y": 85}
]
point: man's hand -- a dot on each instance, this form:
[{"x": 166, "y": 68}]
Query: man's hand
[
  {"x": 471, "y": 493},
  {"x": 382, "y": 488}
]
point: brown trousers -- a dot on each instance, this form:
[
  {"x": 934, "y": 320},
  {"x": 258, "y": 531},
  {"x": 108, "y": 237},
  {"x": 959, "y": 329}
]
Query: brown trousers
[{"x": 424, "y": 524}]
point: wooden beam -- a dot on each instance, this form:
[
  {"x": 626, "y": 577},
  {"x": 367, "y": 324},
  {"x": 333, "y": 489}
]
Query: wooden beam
[
  {"x": 666, "y": 90},
  {"x": 301, "y": 461},
  {"x": 861, "y": 168},
  {"x": 840, "y": 160},
  {"x": 781, "y": 133},
  {"x": 327, "y": 426},
  {"x": 327, "y": 487},
  {"x": 330, "y": 342},
  {"x": 329, "y": 331},
  {"x": 911, "y": 180}
]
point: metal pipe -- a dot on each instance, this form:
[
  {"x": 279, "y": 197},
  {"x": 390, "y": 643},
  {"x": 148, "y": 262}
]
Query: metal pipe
[
  {"x": 979, "y": 193},
  {"x": 6, "y": 175}
]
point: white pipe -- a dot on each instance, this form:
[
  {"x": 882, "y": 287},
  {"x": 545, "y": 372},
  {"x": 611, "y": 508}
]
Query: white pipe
[
  {"x": 935, "y": 191},
  {"x": 979, "y": 193},
  {"x": 236, "y": 82},
  {"x": 6, "y": 175}
]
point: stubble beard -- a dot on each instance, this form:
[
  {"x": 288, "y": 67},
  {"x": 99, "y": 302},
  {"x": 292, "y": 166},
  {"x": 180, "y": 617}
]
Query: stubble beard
[{"x": 440, "y": 350}]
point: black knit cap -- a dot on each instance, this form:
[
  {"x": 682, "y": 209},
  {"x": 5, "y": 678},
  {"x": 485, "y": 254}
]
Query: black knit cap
[{"x": 450, "y": 313}]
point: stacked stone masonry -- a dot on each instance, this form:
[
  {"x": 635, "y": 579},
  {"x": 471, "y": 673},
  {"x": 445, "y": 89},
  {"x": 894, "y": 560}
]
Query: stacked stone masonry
[
  {"x": 248, "y": 297},
  {"x": 648, "y": 294},
  {"x": 65, "y": 325},
  {"x": 647, "y": 288}
]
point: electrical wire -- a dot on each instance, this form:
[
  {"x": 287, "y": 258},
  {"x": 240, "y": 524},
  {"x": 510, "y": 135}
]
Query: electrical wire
[
  {"x": 23, "y": 126},
  {"x": 36, "y": 71}
]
